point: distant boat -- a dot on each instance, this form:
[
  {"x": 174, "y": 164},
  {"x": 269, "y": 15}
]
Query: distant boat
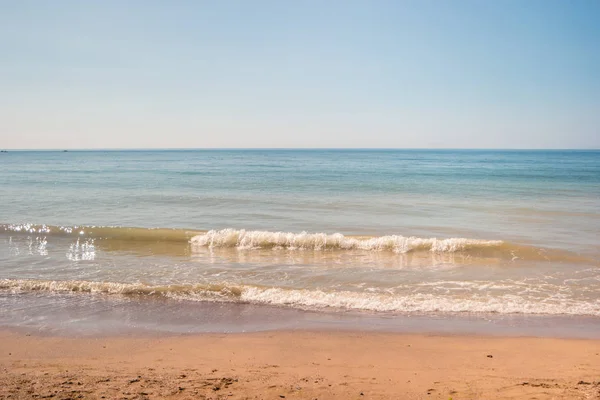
[{"x": 64, "y": 151}]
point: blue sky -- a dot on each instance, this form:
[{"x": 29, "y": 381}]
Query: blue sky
[{"x": 449, "y": 74}]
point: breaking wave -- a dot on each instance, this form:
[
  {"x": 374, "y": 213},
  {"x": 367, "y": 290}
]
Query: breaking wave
[
  {"x": 241, "y": 239},
  {"x": 317, "y": 299},
  {"x": 247, "y": 240}
]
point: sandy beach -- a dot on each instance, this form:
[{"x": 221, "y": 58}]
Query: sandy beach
[
  {"x": 319, "y": 200},
  {"x": 298, "y": 365}
]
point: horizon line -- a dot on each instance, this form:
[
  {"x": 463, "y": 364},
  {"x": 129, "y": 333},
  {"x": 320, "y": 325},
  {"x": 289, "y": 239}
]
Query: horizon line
[{"x": 298, "y": 148}]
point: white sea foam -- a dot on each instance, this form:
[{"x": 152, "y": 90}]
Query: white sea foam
[
  {"x": 248, "y": 239},
  {"x": 243, "y": 239},
  {"x": 115, "y": 288},
  {"x": 507, "y": 304},
  {"x": 319, "y": 299}
]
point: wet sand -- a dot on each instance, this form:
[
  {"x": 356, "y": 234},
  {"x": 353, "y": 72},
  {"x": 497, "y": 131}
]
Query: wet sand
[{"x": 298, "y": 365}]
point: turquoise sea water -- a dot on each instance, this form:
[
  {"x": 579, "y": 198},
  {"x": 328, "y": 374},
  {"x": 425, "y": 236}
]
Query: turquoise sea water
[{"x": 384, "y": 231}]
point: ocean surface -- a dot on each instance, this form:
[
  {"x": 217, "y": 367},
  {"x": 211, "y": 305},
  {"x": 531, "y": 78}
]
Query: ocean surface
[{"x": 156, "y": 238}]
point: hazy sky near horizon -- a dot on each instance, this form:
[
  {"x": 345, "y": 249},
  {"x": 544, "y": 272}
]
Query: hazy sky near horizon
[{"x": 161, "y": 74}]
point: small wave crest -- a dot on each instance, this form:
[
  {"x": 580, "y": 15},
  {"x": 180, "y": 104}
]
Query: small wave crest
[
  {"x": 114, "y": 288},
  {"x": 398, "y": 244},
  {"x": 103, "y": 232},
  {"x": 316, "y": 299},
  {"x": 243, "y": 239}
]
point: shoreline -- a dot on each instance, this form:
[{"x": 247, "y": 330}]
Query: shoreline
[
  {"x": 298, "y": 365},
  {"x": 74, "y": 315}
]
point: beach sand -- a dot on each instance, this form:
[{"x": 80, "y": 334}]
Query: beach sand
[{"x": 298, "y": 365}]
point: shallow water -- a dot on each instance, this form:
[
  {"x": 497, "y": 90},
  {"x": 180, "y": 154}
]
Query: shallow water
[{"x": 401, "y": 232}]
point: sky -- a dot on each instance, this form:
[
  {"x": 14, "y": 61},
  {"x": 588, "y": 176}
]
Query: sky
[{"x": 299, "y": 74}]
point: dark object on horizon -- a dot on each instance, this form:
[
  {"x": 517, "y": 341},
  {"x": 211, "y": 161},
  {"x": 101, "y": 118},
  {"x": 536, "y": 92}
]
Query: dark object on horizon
[{"x": 64, "y": 151}]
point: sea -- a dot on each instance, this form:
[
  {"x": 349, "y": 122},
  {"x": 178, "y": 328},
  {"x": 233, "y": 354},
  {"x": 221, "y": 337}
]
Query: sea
[{"x": 188, "y": 241}]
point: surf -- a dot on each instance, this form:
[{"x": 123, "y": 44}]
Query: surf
[
  {"x": 178, "y": 240},
  {"x": 310, "y": 299}
]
